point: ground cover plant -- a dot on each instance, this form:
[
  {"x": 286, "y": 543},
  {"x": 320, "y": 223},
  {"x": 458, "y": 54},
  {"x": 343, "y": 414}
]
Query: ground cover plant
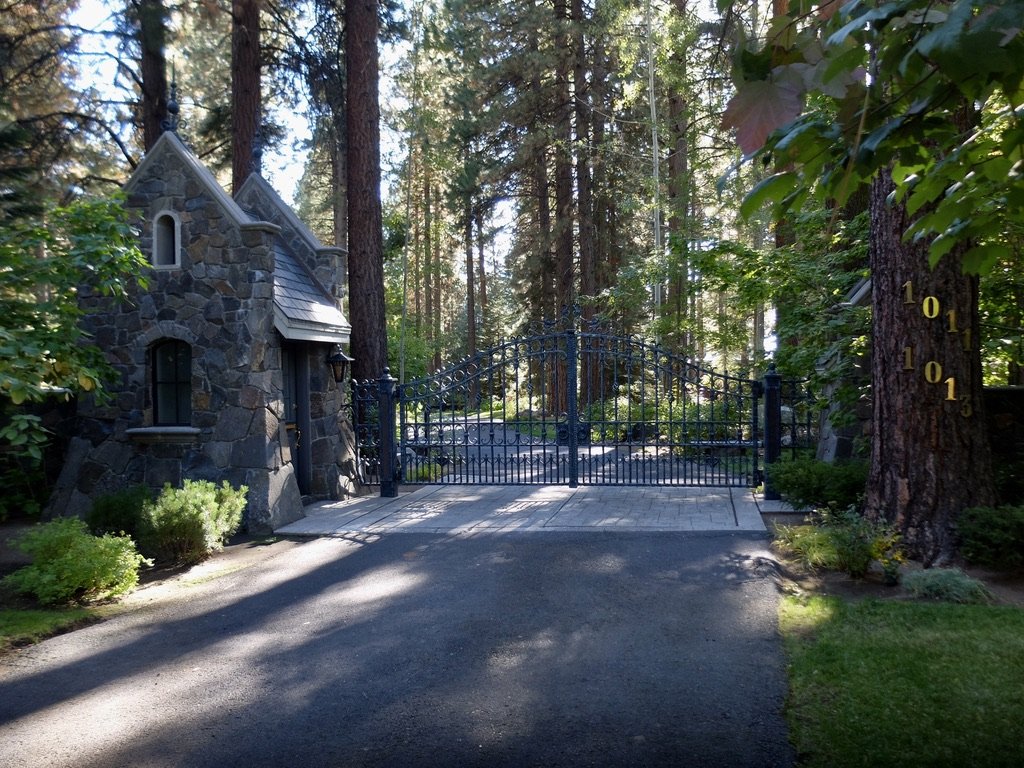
[
  {"x": 19, "y": 627},
  {"x": 843, "y": 540},
  {"x": 71, "y": 565},
  {"x": 993, "y": 536},
  {"x": 894, "y": 682},
  {"x": 950, "y": 585}
]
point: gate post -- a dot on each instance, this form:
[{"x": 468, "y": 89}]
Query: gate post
[
  {"x": 772, "y": 428},
  {"x": 386, "y": 420},
  {"x": 572, "y": 406}
]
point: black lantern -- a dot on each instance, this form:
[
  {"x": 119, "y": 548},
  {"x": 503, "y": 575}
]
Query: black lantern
[{"x": 339, "y": 364}]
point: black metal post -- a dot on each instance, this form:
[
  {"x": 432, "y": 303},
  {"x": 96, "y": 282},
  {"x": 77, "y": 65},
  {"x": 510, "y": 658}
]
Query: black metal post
[
  {"x": 772, "y": 427},
  {"x": 388, "y": 451}
]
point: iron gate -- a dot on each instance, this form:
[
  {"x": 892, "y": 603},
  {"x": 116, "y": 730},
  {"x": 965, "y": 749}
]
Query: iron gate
[{"x": 571, "y": 407}]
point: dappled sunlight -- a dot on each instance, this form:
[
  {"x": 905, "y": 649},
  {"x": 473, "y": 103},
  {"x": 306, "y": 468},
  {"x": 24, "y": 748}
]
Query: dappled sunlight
[
  {"x": 418, "y": 650},
  {"x": 802, "y": 616},
  {"x": 378, "y": 585},
  {"x": 606, "y": 563},
  {"x": 513, "y": 655}
]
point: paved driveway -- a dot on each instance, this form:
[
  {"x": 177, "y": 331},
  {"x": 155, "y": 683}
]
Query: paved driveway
[
  {"x": 598, "y": 648},
  {"x": 535, "y": 508}
]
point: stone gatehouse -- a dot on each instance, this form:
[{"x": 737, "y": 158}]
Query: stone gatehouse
[{"x": 222, "y": 355}]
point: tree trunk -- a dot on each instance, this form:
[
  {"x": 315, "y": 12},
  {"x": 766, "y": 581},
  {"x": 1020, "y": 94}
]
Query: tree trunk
[
  {"x": 679, "y": 199},
  {"x": 246, "y": 103},
  {"x": 467, "y": 231},
  {"x": 339, "y": 178},
  {"x": 563, "y": 163},
  {"x": 481, "y": 244},
  {"x": 152, "y": 41},
  {"x": 365, "y": 237},
  {"x": 428, "y": 257},
  {"x": 930, "y": 454},
  {"x": 436, "y": 194}
]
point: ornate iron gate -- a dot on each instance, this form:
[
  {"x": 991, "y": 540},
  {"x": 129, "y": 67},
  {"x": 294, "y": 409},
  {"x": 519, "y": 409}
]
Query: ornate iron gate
[{"x": 569, "y": 407}]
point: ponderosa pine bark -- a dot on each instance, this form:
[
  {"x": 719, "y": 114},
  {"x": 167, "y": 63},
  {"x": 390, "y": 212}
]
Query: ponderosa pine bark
[
  {"x": 930, "y": 456},
  {"x": 246, "y": 100},
  {"x": 152, "y": 18},
  {"x": 365, "y": 228}
]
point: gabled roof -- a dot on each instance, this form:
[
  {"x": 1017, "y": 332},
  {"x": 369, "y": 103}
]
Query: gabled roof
[
  {"x": 303, "y": 309},
  {"x": 169, "y": 143}
]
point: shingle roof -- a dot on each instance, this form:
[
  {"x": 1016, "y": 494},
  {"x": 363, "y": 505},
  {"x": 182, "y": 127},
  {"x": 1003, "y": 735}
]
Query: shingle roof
[{"x": 303, "y": 310}]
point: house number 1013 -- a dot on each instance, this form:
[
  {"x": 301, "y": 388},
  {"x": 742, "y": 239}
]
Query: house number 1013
[{"x": 931, "y": 308}]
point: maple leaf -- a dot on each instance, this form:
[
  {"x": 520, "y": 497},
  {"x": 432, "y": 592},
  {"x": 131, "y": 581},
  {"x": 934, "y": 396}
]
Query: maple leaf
[{"x": 759, "y": 107}]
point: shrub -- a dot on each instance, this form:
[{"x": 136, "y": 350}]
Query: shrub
[
  {"x": 1009, "y": 479},
  {"x": 810, "y": 484},
  {"x": 69, "y": 564},
  {"x": 993, "y": 536},
  {"x": 186, "y": 525},
  {"x": 119, "y": 512},
  {"x": 949, "y": 585},
  {"x": 844, "y": 541},
  {"x": 25, "y": 487}
]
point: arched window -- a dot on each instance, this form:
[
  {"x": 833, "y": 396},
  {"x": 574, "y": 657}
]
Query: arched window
[
  {"x": 172, "y": 383},
  {"x": 165, "y": 241}
]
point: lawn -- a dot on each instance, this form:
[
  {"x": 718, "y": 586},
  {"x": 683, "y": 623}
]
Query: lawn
[
  {"x": 904, "y": 683},
  {"x": 25, "y": 626}
]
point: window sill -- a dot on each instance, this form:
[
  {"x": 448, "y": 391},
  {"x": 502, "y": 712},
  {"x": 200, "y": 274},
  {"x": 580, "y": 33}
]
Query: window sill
[{"x": 163, "y": 434}]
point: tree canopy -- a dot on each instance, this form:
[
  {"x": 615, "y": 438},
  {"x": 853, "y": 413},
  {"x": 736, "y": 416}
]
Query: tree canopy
[{"x": 934, "y": 90}]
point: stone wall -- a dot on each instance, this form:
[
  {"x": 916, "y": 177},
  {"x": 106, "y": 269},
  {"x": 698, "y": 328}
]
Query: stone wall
[{"x": 221, "y": 303}]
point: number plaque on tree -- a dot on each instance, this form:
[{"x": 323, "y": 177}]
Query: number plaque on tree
[{"x": 931, "y": 308}]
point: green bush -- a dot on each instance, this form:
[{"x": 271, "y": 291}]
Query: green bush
[
  {"x": 1009, "y": 478},
  {"x": 25, "y": 487},
  {"x": 119, "y": 512},
  {"x": 186, "y": 525},
  {"x": 811, "y": 484},
  {"x": 950, "y": 585},
  {"x": 844, "y": 541},
  {"x": 71, "y": 565},
  {"x": 993, "y": 536}
]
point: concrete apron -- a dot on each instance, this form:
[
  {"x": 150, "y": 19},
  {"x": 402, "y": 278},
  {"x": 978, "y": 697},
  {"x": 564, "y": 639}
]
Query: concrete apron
[{"x": 497, "y": 509}]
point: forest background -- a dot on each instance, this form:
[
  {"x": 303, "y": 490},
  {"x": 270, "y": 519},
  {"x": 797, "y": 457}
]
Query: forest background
[
  {"x": 545, "y": 156},
  {"x": 536, "y": 156}
]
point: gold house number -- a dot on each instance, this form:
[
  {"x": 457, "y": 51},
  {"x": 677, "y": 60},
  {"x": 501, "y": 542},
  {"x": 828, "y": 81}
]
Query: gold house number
[{"x": 931, "y": 307}]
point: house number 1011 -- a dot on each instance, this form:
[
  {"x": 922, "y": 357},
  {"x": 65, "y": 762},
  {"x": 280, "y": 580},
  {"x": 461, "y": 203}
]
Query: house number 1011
[{"x": 931, "y": 308}]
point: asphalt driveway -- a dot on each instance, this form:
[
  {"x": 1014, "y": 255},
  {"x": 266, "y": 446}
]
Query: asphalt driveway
[{"x": 413, "y": 649}]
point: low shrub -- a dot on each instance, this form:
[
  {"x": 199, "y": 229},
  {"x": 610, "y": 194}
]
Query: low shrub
[
  {"x": 1009, "y": 479},
  {"x": 993, "y": 536},
  {"x": 844, "y": 541},
  {"x": 811, "y": 484},
  {"x": 119, "y": 512},
  {"x": 186, "y": 525},
  {"x": 949, "y": 585},
  {"x": 71, "y": 565}
]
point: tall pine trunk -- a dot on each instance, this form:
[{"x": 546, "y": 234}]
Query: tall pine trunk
[
  {"x": 246, "y": 101},
  {"x": 152, "y": 40},
  {"x": 930, "y": 456},
  {"x": 365, "y": 237}
]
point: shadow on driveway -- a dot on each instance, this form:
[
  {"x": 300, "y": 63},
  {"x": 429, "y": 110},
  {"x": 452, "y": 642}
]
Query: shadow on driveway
[{"x": 562, "y": 649}]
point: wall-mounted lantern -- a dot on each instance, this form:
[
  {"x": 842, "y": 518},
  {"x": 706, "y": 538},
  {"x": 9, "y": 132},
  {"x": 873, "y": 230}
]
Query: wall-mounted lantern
[{"x": 339, "y": 361}]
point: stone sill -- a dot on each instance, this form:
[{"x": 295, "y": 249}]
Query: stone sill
[{"x": 163, "y": 434}]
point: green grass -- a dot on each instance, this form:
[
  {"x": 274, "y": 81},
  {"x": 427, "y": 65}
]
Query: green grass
[
  {"x": 24, "y": 627},
  {"x": 887, "y": 683}
]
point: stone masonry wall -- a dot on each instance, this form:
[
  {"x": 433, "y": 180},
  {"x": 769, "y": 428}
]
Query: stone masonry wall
[{"x": 221, "y": 303}]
